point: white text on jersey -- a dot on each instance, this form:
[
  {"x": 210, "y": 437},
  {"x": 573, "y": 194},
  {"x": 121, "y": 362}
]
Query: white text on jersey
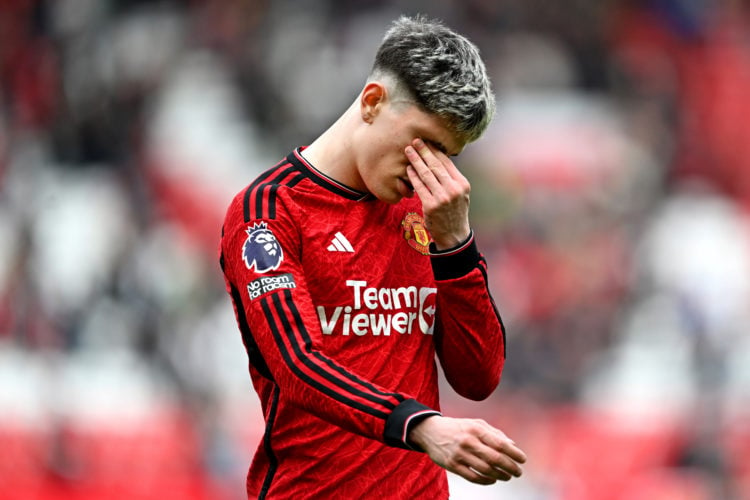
[{"x": 379, "y": 311}]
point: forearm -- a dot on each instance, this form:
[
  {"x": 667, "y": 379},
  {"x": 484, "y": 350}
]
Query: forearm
[
  {"x": 470, "y": 336},
  {"x": 321, "y": 386}
]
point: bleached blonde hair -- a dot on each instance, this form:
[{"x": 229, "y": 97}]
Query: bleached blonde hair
[{"x": 439, "y": 70}]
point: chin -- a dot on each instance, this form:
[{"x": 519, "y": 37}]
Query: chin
[{"x": 390, "y": 198}]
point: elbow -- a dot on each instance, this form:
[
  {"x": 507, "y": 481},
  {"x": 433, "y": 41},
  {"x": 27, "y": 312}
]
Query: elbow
[
  {"x": 477, "y": 393},
  {"x": 480, "y": 389}
]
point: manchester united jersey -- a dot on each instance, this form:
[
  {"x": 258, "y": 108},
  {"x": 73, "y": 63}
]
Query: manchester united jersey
[{"x": 343, "y": 308}]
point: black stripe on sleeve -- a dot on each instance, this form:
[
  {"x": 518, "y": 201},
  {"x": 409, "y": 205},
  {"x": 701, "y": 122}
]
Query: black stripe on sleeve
[
  {"x": 258, "y": 181},
  {"x": 483, "y": 269},
  {"x": 290, "y": 183},
  {"x": 253, "y": 352},
  {"x": 273, "y": 462},
  {"x": 304, "y": 357},
  {"x": 275, "y": 187},
  {"x": 260, "y": 196},
  {"x": 328, "y": 361},
  {"x": 307, "y": 379},
  {"x": 249, "y": 191}
]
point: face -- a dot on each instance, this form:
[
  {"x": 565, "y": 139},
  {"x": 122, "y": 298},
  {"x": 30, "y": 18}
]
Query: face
[{"x": 381, "y": 161}]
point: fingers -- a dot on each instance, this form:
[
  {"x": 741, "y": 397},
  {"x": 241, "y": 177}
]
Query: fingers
[
  {"x": 473, "y": 468},
  {"x": 470, "y": 474},
  {"x": 500, "y": 454},
  {"x": 484, "y": 465},
  {"x": 470, "y": 448},
  {"x": 416, "y": 181},
  {"x": 443, "y": 191},
  {"x": 424, "y": 180},
  {"x": 488, "y": 455},
  {"x": 493, "y": 463},
  {"x": 428, "y": 167},
  {"x": 486, "y": 470},
  {"x": 438, "y": 162},
  {"x": 497, "y": 440},
  {"x": 434, "y": 169}
]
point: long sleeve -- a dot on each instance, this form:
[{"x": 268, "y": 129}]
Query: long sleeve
[
  {"x": 261, "y": 254},
  {"x": 469, "y": 333}
]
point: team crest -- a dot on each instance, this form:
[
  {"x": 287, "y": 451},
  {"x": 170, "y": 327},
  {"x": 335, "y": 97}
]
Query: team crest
[
  {"x": 261, "y": 249},
  {"x": 416, "y": 234}
]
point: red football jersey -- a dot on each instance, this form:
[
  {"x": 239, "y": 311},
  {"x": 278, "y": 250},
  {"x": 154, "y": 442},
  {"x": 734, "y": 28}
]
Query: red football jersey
[{"x": 342, "y": 308}]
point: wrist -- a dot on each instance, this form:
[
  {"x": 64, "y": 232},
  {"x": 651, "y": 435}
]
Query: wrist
[
  {"x": 417, "y": 437},
  {"x": 447, "y": 243}
]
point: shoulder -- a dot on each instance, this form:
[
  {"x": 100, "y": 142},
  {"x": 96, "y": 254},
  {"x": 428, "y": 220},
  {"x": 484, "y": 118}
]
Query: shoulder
[
  {"x": 260, "y": 215},
  {"x": 260, "y": 199}
]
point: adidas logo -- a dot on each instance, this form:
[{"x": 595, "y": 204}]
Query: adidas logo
[{"x": 340, "y": 244}]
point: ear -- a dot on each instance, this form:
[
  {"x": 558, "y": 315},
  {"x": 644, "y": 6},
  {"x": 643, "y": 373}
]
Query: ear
[{"x": 371, "y": 100}]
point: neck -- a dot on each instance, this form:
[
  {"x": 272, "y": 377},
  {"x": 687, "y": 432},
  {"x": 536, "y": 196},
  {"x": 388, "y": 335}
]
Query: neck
[{"x": 332, "y": 153}]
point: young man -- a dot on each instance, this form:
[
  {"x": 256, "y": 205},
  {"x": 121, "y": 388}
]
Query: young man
[{"x": 346, "y": 286}]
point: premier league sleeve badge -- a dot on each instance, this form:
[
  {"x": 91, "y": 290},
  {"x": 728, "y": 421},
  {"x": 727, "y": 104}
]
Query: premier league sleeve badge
[{"x": 261, "y": 250}]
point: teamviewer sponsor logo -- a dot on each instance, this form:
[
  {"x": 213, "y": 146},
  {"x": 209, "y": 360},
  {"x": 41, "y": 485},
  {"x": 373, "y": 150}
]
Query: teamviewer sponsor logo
[
  {"x": 267, "y": 284},
  {"x": 381, "y": 311}
]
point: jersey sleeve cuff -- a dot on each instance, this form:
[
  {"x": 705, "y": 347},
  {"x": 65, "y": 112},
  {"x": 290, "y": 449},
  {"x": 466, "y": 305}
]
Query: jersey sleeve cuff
[
  {"x": 454, "y": 262},
  {"x": 402, "y": 419}
]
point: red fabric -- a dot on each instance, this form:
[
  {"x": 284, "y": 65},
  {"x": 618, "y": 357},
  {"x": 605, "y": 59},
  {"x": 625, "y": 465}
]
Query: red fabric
[{"x": 337, "y": 396}]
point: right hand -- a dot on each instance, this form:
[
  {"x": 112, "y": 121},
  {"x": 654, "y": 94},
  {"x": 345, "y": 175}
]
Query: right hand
[
  {"x": 444, "y": 193},
  {"x": 471, "y": 448}
]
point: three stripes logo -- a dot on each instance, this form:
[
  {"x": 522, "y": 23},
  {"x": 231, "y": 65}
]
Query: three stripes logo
[{"x": 340, "y": 244}]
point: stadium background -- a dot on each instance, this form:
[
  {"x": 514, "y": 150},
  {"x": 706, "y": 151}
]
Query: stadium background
[{"x": 610, "y": 195}]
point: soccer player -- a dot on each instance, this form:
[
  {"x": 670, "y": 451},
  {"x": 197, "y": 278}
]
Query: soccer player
[{"x": 346, "y": 286}]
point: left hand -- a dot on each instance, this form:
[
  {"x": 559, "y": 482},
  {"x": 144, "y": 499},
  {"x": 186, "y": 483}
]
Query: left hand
[
  {"x": 444, "y": 193},
  {"x": 471, "y": 448}
]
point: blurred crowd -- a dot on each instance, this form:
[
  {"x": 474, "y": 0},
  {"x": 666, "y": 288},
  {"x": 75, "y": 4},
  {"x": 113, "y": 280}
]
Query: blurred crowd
[{"x": 611, "y": 197}]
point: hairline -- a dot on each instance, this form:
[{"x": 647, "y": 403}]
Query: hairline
[{"x": 399, "y": 93}]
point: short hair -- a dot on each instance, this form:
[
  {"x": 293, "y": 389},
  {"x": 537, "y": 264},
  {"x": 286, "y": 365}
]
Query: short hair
[{"x": 439, "y": 70}]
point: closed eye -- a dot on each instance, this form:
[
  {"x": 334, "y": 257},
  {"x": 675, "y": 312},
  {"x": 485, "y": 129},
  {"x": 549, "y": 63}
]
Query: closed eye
[
  {"x": 440, "y": 147},
  {"x": 437, "y": 145}
]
